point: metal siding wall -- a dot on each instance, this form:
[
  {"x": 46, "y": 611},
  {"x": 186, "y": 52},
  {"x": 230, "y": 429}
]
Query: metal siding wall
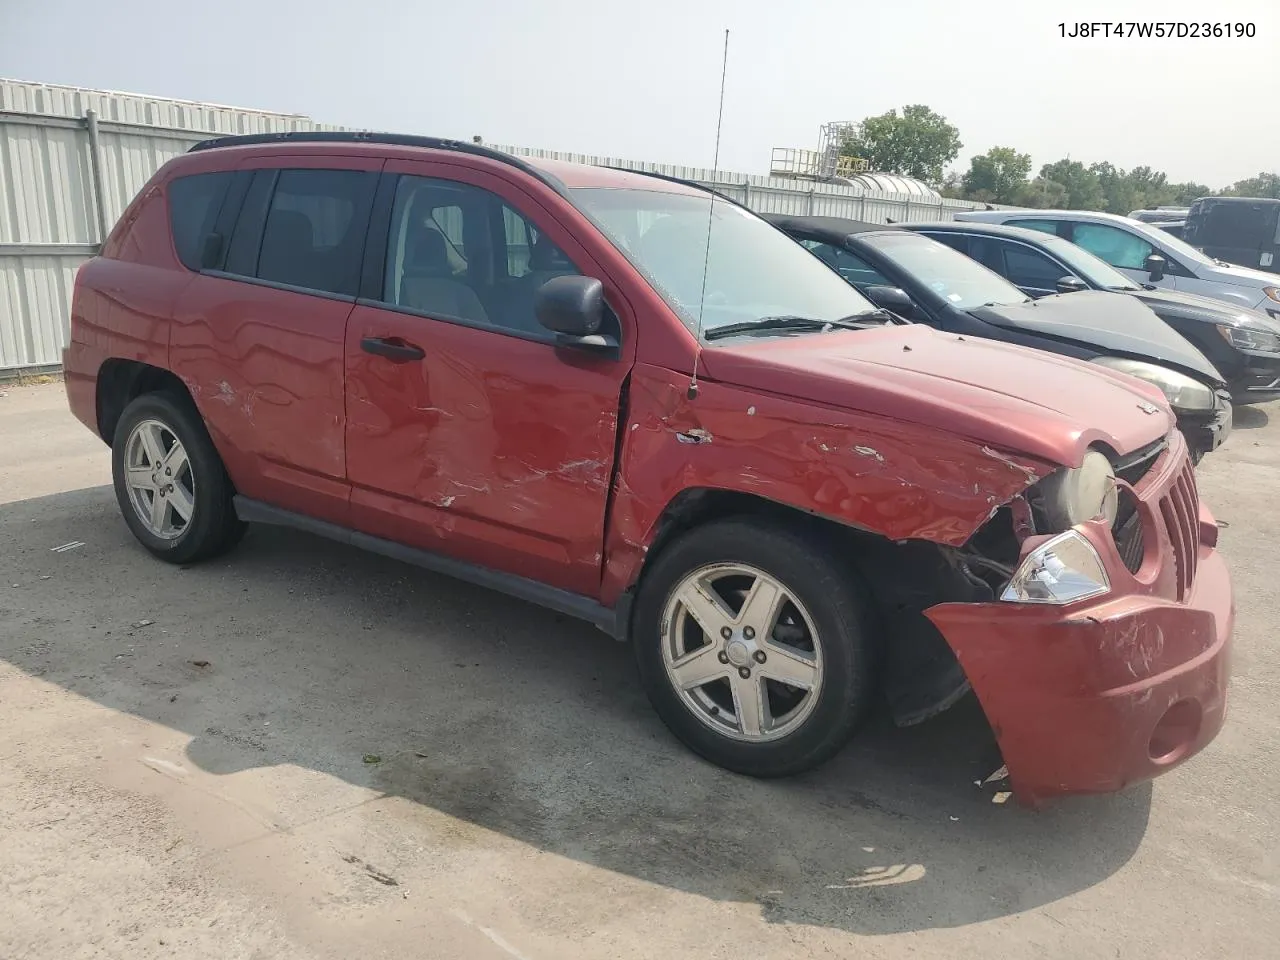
[
  {"x": 45, "y": 185},
  {"x": 35, "y": 299}
]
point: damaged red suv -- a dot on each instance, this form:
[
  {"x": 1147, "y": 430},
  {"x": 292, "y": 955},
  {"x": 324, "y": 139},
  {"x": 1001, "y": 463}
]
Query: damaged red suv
[{"x": 632, "y": 401}]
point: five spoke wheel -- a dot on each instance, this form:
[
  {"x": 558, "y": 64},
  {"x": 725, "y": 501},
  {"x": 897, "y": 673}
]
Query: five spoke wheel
[{"x": 742, "y": 651}]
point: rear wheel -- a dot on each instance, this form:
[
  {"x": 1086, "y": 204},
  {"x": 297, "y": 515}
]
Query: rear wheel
[
  {"x": 752, "y": 643},
  {"x": 170, "y": 482}
]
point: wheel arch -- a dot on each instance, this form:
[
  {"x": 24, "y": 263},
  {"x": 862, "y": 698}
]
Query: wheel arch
[
  {"x": 920, "y": 675},
  {"x": 122, "y": 381}
]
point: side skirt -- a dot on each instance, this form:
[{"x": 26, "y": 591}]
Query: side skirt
[{"x": 562, "y": 601}]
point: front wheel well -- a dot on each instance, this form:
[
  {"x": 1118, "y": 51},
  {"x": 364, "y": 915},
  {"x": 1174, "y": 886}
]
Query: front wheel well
[
  {"x": 919, "y": 673},
  {"x": 120, "y": 382}
]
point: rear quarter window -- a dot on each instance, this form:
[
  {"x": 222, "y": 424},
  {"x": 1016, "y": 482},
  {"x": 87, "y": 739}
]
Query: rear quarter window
[{"x": 194, "y": 203}]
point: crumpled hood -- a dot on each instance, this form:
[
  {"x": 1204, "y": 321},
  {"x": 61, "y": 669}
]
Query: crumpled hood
[
  {"x": 1112, "y": 323},
  {"x": 1192, "y": 306},
  {"x": 1012, "y": 398}
]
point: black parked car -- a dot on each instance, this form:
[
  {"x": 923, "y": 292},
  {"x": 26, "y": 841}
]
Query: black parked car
[
  {"x": 925, "y": 281},
  {"x": 1243, "y": 344}
]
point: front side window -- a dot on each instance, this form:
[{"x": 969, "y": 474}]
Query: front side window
[
  {"x": 1120, "y": 248},
  {"x": 953, "y": 277},
  {"x": 194, "y": 203},
  {"x": 1083, "y": 264},
  {"x": 715, "y": 263},
  {"x": 1029, "y": 268},
  {"x": 458, "y": 252},
  {"x": 853, "y": 268},
  {"x": 313, "y": 235}
]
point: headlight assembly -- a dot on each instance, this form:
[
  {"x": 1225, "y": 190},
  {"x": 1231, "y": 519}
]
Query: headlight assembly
[
  {"x": 1182, "y": 392},
  {"x": 1062, "y": 570},
  {"x": 1073, "y": 496},
  {"x": 1246, "y": 338}
]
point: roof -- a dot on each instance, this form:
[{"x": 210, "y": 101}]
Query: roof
[
  {"x": 558, "y": 174},
  {"x": 582, "y": 175},
  {"x": 831, "y": 229},
  {"x": 985, "y": 229},
  {"x": 999, "y": 216}
]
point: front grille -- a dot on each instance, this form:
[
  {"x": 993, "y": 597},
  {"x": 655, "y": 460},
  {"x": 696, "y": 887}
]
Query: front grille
[
  {"x": 1134, "y": 467},
  {"x": 1127, "y": 531},
  {"x": 1180, "y": 509}
]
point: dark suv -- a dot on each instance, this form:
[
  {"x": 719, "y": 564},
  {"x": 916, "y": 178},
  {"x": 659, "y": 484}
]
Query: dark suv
[{"x": 542, "y": 379}]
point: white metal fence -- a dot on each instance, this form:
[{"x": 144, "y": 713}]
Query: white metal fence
[{"x": 71, "y": 160}]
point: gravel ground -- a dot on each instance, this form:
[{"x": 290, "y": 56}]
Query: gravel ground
[{"x": 303, "y": 751}]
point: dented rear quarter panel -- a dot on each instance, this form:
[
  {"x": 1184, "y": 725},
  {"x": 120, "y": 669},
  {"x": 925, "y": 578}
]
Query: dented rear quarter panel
[{"x": 897, "y": 479}]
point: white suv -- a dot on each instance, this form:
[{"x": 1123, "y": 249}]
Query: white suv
[{"x": 1148, "y": 254}]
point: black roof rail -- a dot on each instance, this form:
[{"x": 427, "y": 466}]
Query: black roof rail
[
  {"x": 392, "y": 139},
  {"x": 681, "y": 180}
]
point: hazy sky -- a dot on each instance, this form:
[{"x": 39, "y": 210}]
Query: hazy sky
[{"x": 640, "y": 79}]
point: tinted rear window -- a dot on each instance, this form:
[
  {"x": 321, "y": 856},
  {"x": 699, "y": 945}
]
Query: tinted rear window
[
  {"x": 313, "y": 235},
  {"x": 194, "y": 202}
]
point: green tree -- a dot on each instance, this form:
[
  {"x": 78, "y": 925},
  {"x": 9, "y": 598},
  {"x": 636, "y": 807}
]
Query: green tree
[
  {"x": 1081, "y": 189},
  {"x": 1184, "y": 194},
  {"x": 1042, "y": 194},
  {"x": 919, "y": 143},
  {"x": 997, "y": 175},
  {"x": 1263, "y": 185}
]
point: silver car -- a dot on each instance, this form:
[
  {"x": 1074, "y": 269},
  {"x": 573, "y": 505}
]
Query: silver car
[{"x": 1147, "y": 254}]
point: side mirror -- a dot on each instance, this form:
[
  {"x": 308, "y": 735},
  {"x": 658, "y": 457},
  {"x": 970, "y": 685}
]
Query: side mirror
[
  {"x": 893, "y": 299},
  {"x": 1155, "y": 265},
  {"x": 1070, "y": 284},
  {"x": 572, "y": 307}
]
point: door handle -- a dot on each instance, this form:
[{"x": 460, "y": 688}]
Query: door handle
[{"x": 397, "y": 351}]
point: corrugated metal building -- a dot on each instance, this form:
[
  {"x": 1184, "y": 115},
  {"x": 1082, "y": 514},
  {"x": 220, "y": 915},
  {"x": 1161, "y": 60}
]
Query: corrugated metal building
[{"x": 71, "y": 159}]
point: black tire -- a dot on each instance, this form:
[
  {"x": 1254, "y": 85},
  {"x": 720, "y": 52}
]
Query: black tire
[
  {"x": 213, "y": 527},
  {"x": 838, "y": 605}
]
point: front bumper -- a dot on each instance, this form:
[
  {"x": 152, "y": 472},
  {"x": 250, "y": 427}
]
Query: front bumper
[
  {"x": 1204, "y": 433},
  {"x": 1094, "y": 696}
]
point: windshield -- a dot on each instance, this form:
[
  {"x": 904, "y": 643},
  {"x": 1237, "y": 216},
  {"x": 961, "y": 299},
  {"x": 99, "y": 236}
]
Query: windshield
[
  {"x": 753, "y": 271},
  {"x": 1093, "y": 270},
  {"x": 962, "y": 282}
]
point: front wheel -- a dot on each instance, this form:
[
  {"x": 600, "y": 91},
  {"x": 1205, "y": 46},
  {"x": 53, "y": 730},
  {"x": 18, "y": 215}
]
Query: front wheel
[{"x": 752, "y": 643}]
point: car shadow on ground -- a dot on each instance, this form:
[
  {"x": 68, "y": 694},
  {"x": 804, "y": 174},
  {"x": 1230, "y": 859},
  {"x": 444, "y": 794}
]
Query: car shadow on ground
[
  {"x": 297, "y": 651},
  {"x": 1249, "y": 418}
]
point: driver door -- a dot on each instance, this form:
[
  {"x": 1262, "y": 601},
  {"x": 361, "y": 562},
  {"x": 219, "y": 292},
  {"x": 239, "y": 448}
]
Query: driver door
[{"x": 470, "y": 432}]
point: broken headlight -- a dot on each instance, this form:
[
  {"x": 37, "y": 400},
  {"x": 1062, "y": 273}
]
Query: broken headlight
[
  {"x": 1073, "y": 496},
  {"x": 1062, "y": 570}
]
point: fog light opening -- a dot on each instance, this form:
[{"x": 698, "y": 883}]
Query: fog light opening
[{"x": 1175, "y": 733}]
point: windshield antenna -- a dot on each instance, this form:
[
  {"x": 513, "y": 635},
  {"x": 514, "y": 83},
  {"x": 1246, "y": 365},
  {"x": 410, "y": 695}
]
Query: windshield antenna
[{"x": 706, "y": 257}]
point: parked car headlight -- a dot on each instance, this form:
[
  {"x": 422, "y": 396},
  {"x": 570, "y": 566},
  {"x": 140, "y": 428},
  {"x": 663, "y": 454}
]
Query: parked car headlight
[
  {"x": 1062, "y": 570},
  {"x": 1273, "y": 293},
  {"x": 1246, "y": 338},
  {"x": 1182, "y": 392},
  {"x": 1073, "y": 496}
]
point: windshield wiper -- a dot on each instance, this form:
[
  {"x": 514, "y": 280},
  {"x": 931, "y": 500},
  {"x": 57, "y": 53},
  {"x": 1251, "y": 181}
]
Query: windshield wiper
[{"x": 854, "y": 321}]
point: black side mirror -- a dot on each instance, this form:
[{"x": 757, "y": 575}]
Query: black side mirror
[
  {"x": 573, "y": 308},
  {"x": 893, "y": 299},
  {"x": 1155, "y": 265},
  {"x": 1070, "y": 284}
]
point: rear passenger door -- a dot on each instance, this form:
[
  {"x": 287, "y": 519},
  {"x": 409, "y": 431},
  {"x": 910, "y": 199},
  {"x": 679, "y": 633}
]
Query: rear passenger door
[
  {"x": 259, "y": 336},
  {"x": 470, "y": 432}
]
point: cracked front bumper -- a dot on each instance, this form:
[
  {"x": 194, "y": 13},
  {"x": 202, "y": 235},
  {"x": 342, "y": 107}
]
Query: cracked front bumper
[{"x": 1094, "y": 696}]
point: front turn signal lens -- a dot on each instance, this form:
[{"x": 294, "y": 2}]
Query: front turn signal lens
[{"x": 1062, "y": 570}]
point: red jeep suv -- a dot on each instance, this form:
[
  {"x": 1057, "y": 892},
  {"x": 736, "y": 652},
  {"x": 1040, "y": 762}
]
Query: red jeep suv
[{"x": 631, "y": 400}]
